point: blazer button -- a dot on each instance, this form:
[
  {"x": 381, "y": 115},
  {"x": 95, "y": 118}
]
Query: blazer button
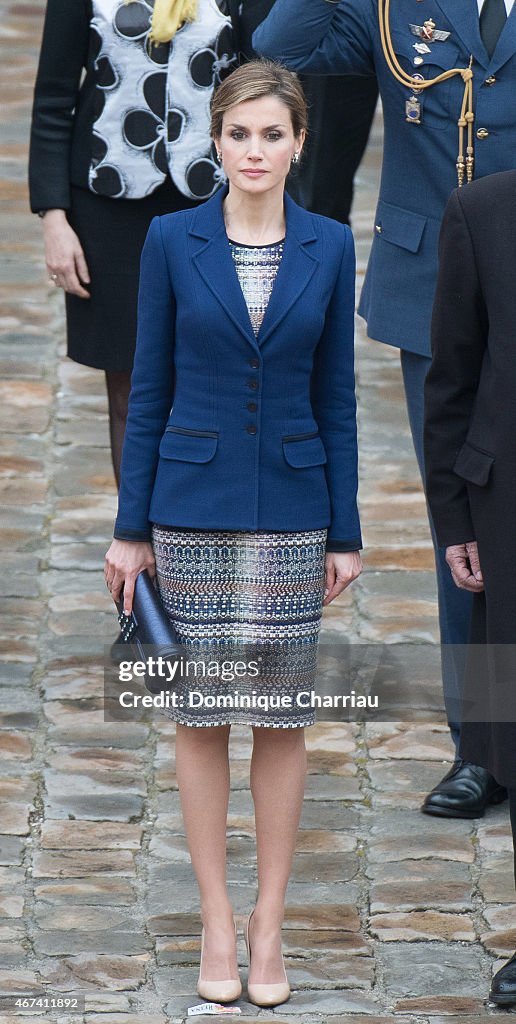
[
  {"x": 254, "y": 363},
  {"x": 251, "y": 428},
  {"x": 253, "y": 384},
  {"x": 482, "y": 133},
  {"x": 252, "y": 406}
]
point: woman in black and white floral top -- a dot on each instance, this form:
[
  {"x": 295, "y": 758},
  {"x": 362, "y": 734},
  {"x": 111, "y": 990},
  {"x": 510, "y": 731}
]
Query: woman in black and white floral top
[{"x": 120, "y": 134}]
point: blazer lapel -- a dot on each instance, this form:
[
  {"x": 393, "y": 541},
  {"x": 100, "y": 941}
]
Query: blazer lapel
[
  {"x": 297, "y": 266},
  {"x": 506, "y": 45},
  {"x": 215, "y": 264},
  {"x": 463, "y": 14}
]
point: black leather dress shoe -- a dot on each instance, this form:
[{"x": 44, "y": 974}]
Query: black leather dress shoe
[
  {"x": 503, "y": 985},
  {"x": 465, "y": 792}
]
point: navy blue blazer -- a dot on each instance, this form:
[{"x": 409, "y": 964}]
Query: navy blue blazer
[
  {"x": 227, "y": 430},
  {"x": 418, "y": 173}
]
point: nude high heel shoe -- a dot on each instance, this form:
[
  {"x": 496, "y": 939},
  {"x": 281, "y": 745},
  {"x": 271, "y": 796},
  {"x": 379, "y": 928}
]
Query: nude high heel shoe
[
  {"x": 217, "y": 991},
  {"x": 265, "y": 994}
]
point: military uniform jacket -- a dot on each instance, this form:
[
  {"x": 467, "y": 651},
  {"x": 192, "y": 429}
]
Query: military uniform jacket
[
  {"x": 228, "y": 430},
  {"x": 418, "y": 173}
]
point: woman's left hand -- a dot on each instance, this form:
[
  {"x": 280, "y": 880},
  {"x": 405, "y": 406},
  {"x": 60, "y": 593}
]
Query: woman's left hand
[{"x": 341, "y": 568}]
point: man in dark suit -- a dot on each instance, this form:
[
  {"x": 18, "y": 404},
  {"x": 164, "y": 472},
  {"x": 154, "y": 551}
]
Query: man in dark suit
[{"x": 470, "y": 458}]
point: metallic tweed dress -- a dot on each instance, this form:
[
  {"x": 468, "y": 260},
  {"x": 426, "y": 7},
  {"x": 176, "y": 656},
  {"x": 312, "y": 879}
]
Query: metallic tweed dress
[{"x": 246, "y": 605}]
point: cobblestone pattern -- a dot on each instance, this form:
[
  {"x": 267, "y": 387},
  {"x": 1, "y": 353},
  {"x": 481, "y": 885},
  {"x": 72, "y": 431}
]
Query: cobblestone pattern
[{"x": 391, "y": 916}]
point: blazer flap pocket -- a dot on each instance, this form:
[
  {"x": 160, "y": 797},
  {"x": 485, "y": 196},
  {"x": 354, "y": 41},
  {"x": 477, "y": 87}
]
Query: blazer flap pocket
[
  {"x": 473, "y": 464},
  {"x": 399, "y": 227},
  {"x": 307, "y": 451},
  {"x": 188, "y": 446}
]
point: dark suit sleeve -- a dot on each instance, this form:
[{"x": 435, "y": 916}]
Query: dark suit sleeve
[
  {"x": 63, "y": 55},
  {"x": 320, "y": 37},
  {"x": 152, "y": 390},
  {"x": 459, "y": 335},
  {"x": 334, "y": 404}
]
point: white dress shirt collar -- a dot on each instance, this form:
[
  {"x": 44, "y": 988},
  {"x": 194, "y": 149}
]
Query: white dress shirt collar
[{"x": 508, "y": 4}]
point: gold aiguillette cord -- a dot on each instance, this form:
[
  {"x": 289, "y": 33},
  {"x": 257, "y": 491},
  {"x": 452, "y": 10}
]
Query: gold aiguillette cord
[{"x": 467, "y": 116}]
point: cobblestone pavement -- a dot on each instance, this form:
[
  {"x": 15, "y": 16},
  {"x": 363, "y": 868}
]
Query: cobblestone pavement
[{"x": 391, "y": 916}]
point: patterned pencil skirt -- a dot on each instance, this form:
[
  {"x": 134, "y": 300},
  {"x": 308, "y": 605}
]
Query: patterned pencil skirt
[{"x": 247, "y": 607}]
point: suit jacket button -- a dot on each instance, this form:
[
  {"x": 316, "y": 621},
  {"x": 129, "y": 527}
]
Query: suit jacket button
[
  {"x": 252, "y": 406},
  {"x": 253, "y": 384},
  {"x": 251, "y": 428},
  {"x": 254, "y": 363}
]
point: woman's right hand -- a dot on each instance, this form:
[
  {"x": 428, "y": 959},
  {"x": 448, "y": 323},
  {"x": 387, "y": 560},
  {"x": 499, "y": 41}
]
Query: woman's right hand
[
  {"x": 64, "y": 257},
  {"x": 123, "y": 563}
]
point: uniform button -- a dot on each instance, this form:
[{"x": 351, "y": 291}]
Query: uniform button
[
  {"x": 378, "y": 229},
  {"x": 482, "y": 133},
  {"x": 254, "y": 363},
  {"x": 251, "y": 428},
  {"x": 252, "y": 406},
  {"x": 490, "y": 81},
  {"x": 253, "y": 384}
]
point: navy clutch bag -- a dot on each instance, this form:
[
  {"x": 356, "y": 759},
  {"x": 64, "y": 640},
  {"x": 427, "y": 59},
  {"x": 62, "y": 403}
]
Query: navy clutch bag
[{"x": 148, "y": 630}]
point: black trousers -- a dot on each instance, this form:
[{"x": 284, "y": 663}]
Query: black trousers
[{"x": 341, "y": 110}]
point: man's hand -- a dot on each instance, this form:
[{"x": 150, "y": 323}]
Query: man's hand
[
  {"x": 341, "y": 568},
  {"x": 465, "y": 566}
]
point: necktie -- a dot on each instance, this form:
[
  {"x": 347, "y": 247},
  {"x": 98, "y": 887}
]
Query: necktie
[{"x": 492, "y": 20}]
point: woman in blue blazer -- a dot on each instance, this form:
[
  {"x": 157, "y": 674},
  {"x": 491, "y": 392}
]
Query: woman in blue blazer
[{"x": 238, "y": 485}]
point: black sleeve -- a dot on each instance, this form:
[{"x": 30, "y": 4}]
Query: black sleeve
[
  {"x": 459, "y": 337},
  {"x": 63, "y": 55},
  {"x": 251, "y": 13}
]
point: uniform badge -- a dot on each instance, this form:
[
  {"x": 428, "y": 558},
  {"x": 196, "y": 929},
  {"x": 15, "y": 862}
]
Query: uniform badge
[
  {"x": 422, "y": 48},
  {"x": 413, "y": 110},
  {"x": 429, "y": 32}
]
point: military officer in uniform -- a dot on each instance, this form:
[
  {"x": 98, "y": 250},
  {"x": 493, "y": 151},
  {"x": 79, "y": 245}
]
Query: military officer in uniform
[{"x": 446, "y": 71}]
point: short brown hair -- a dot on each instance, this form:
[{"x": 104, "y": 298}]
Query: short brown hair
[{"x": 253, "y": 80}]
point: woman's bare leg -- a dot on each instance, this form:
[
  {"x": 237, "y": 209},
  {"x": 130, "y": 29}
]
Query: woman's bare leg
[
  {"x": 278, "y": 772},
  {"x": 202, "y": 767}
]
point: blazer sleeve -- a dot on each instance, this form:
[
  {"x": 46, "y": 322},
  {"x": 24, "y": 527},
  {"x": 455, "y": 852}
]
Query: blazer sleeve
[
  {"x": 320, "y": 37},
  {"x": 152, "y": 390},
  {"x": 63, "y": 55},
  {"x": 459, "y": 335},
  {"x": 334, "y": 404}
]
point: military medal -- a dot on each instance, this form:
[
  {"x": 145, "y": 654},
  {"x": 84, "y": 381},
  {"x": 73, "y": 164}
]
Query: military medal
[
  {"x": 422, "y": 48},
  {"x": 429, "y": 32},
  {"x": 417, "y": 78},
  {"x": 413, "y": 110}
]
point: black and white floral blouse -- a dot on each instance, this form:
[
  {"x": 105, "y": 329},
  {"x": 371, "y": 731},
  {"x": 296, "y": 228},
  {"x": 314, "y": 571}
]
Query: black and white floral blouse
[{"x": 139, "y": 112}]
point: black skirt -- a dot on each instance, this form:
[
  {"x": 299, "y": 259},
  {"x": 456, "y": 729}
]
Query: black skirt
[{"x": 101, "y": 330}]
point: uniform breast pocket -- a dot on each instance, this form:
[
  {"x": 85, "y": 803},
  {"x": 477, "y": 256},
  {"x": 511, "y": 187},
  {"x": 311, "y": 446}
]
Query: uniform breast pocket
[{"x": 440, "y": 104}]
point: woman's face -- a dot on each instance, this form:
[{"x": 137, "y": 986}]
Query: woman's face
[{"x": 257, "y": 144}]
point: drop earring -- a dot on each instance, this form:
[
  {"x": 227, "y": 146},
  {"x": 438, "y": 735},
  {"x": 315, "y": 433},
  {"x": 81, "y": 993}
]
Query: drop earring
[
  {"x": 295, "y": 158},
  {"x": 219, "y": 157}
]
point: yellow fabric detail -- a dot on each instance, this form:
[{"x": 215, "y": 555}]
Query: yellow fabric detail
[{"x": 168, "y": 16}]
